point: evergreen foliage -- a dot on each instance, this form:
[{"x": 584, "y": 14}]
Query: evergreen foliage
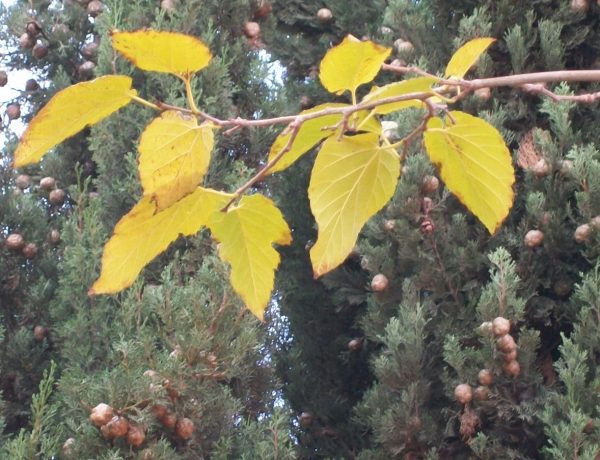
[
  {"x": 177, "y": 357},
  {"x": 428, "y": 332}
]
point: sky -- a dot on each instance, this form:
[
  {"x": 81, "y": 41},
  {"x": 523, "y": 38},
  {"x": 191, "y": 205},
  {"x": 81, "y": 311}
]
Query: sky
[{"x": 16, "y": 84}]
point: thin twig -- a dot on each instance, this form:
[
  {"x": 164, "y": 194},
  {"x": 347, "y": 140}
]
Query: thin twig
[
  {"x": 508, "y": 80},
  {"x": 265, "y": 169},
  {"x": 418, "y": 130},
  {"x": 535, "y": 77},
  {"x": 539, "y": 88}
]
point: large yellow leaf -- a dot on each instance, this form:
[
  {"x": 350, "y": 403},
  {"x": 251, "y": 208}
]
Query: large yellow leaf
[
  {"x": 247, "y": 232},
  {"x": 467, "y": 55},
  {"x": 143, "y": 233},
  {"x": 174, "y": 156},
  {"x": 352, "y": 179},
  {"x": 350, "y": 64},
  {"x": 69, "y": 111},
  {"x": 161, "y": 51},
  {"x": 400, "y": 88},
  {"x": 475, "y": 165},
  {"x": 314, "y": 131}
]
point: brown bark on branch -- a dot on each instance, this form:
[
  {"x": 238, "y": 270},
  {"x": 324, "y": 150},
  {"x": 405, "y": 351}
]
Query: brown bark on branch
[{"x": 459, "y": 89}]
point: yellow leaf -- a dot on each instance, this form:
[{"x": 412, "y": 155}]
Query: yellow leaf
[
  {"x": 174, "y": 156},
  {"x": 161, "y": 51},
  {"x": 400, "y": 88},
  {"x": 314, "y": 131},
  {"x": 352, "y": 179},
  {"x": 143, "y": 233},
  {"x": 247, "y": 232},
  {"x": 69, "y": 111},
  {"x": 464, "y": 58},
  {"x": 350, "y": 64},
  {"x": 475, "y": 165}
]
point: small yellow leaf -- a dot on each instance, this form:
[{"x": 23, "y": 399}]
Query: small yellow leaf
[
  {"x": 161, "y": 51},
  {"x": 69, "y": 111},
  {"x": 247, "y": 232},
  {"x": 314, "y": 131},
  {"x": 143, "y": 233},
  {"x": 464, "y": 58},
  {"x": 350, "y": 64},
  {"x": 352, "y": 179},
  {"x": 475, "y": 165},
  {"x": 400, "y": 88},
  {"x": 174, "y": 156}
]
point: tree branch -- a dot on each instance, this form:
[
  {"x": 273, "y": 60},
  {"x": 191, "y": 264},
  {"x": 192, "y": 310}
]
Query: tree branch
[{"x": 530, "y": 82}]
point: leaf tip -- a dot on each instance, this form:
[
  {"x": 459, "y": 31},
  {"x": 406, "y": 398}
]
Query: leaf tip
[{"x": 319, "y": 271}]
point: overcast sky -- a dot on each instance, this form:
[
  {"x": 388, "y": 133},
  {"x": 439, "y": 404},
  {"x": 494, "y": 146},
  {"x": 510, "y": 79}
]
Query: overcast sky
[{"x": 16, "y": 84}]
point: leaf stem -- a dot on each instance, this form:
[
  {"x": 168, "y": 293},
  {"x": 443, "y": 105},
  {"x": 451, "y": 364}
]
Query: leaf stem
[
  {"x": 146, "y": 103},
  {"x": 295, "y": 127},
  {"x": 190, "y": 94}
]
